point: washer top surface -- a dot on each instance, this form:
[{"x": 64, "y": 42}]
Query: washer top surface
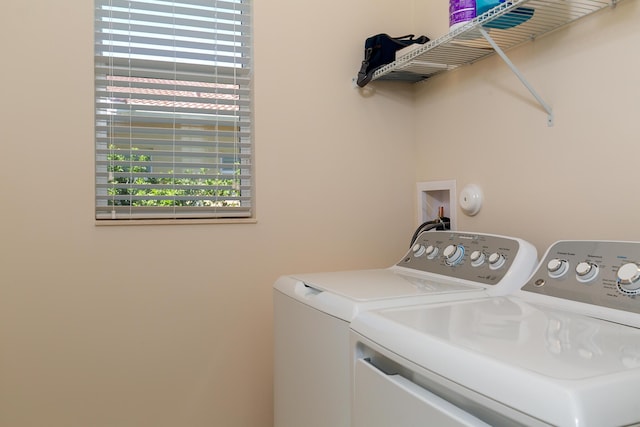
[
  {"x": 345, "y": 294},
  {"x": 441, "y": 266}
]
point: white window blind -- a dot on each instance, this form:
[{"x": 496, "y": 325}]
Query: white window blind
[{"x": 173, "y": 109}]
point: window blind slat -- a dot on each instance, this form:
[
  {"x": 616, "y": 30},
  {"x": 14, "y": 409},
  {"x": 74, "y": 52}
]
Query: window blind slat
[
  {"x": 135, "y": 67},
  {"x": 185, "y": 56},
  {"x": 173, "y": 168},
  {"x": 203, "y": 44},
  {"x": 170, "y": 213},
  {"x": 115, "y": 93},
  {"x": 154, "y": 12},
  {"x": 220, "y": 30},
  {"x": 159, "y": 176},
  {"x": 173, "y": 109},
  {"x": 183, "y": 139},
  {"x": 197, "y": 6}
]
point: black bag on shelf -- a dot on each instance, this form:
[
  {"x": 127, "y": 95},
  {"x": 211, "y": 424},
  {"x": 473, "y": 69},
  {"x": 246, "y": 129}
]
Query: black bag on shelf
[{"x": 380, "y": 50}]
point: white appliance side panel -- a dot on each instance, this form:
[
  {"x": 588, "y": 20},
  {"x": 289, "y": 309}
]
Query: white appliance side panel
[
  {"x": 382, "y": 400},
  {"x": 311, "y": 366}
]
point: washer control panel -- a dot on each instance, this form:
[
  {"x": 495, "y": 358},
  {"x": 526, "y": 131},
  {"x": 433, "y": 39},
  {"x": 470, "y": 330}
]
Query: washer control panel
[
  {"x": 482, "y": 258},
  {"x": 603, "y": 273}
]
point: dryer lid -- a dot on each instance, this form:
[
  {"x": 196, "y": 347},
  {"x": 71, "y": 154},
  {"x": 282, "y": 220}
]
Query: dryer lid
[{"x": 552, "y": 364}]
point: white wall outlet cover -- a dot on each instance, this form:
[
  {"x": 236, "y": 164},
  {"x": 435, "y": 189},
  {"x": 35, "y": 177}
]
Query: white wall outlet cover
[{"x": 471, "y": 199}]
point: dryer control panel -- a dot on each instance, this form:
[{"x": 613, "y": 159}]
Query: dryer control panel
[
  {"x": 602, "y": 273},
  {"x": 481, "y": 258}
]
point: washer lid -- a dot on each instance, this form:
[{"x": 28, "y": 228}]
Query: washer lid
[
  {"x": 344, "y": 294},
  {"x": 382, "y": 284},
  {"x": 564, "y": 368}
]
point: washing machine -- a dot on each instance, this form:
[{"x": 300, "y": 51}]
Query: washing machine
[
  {"x": 312, "y": 313},
  {"x": 564, "y": 350}
]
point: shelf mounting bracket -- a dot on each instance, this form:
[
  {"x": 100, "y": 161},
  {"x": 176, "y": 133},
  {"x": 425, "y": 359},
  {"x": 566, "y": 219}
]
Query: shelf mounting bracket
[{"x": 524, "y": 81}]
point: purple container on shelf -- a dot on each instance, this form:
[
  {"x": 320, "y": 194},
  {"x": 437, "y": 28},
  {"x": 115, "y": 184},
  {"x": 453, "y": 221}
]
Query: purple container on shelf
[{"x": 461, "y": 12}]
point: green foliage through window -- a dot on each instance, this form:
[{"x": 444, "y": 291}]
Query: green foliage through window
[{"x": 131, "y": 175}]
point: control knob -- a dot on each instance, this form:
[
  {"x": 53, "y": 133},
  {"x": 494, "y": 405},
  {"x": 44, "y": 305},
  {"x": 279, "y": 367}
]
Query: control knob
[
  {"x": 557, "y": 267},
  {"x": 629, "y": 279},
  {"x": 496, "y": 260},
  {"x": 477, "y": 258},
  {"x": 432, "y": 251},
  {"x": 418, "y": 250},
  {"x": 586, "y": 271},
  {"x": 453, "y": 254}
]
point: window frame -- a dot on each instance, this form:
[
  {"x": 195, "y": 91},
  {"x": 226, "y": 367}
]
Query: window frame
[{"x": 205, "y": 80}]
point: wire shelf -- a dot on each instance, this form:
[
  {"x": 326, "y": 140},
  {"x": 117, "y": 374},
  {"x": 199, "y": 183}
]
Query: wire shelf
[{"x": 508, "y": 25}]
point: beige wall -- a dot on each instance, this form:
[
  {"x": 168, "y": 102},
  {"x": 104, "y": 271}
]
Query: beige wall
[
  {"x": 575, "y": 180},
  {"x": 171, "y": 325}
]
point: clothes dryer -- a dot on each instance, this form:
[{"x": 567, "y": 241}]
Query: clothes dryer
[{"x": 563, "y": 351}]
